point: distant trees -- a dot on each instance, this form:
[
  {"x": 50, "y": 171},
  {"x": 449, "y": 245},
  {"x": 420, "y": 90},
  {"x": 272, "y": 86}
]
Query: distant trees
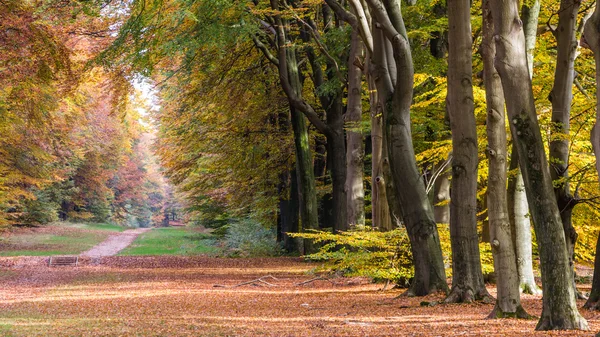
[{"x": 70, "y": 135}]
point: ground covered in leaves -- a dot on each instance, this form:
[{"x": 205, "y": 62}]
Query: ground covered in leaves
[{"x": 200, "y": 296}]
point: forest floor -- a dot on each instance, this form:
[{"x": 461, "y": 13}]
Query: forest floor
[{"x": 202, "y": 296}]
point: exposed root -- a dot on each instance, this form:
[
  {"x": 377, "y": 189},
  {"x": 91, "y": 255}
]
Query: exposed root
[
  {"x": 531, "y": 289},
  {"x": 577, "y": 323},
  {"x": 461, "y": 294},
  {"x": 520, "y": 313},
  {"x": 592, "y": 305}
]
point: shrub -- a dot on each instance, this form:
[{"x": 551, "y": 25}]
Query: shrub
[
  {"x": 250, "y": 238},
  {"x": 382, "y": 256}
]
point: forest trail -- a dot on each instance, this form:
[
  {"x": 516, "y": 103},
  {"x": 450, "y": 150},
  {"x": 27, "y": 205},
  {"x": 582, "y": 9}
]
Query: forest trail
[{"x": 115, "y": 243}]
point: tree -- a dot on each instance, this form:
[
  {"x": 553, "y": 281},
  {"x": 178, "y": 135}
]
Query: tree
[
  {"x": 354, "y": 148},
  {"x": 508, "y": 301},
  {"x": 559, "y": 308},
  {"x": 467, "y": 280},
  {"x": 394, "y": 80}
]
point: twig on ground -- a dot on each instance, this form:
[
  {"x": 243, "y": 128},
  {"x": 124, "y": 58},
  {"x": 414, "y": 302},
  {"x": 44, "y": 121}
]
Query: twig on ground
[
  {"x": 313, "y": 280},
  {"x": 255, "y": 282}
]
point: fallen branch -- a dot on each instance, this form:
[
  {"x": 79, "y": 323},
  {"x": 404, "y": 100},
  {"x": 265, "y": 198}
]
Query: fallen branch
[
  {"x": 256, "y": 282},
  {"x": 313, "y": 280}
]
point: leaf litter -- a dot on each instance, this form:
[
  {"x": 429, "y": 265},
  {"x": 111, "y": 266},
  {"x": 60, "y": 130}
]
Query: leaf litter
[{"x": 176, "y": 296}]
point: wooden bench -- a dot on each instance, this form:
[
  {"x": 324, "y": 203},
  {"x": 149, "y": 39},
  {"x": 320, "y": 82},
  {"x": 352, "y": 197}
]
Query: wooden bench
[{"x": 63, "y": 261}]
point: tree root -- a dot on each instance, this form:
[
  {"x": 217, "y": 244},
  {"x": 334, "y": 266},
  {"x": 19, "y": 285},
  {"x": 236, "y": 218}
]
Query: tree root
[
  {"x": 520, "y": 313},
  {"x": 531, "y": 289},
  {"x": 461, "y": 294}
]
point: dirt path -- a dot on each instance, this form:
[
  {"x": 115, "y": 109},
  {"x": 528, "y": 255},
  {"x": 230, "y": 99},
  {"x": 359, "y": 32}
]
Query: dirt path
[{"x": 115, "y": 243}]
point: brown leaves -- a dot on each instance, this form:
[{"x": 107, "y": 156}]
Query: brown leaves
[{"x": 174, "y": 296}]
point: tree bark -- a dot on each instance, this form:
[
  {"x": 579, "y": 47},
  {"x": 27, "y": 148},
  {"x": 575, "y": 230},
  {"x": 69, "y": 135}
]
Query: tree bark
[
  {"x": 519, "y": 217},
  {"x": 591, "y": 37},
  {"x": 395, "y": 89},
  {"x": 467, "y": 278},
  {"x": 354, "y": 150},
  {"x": 559, "y": 309},
  {"x": 379, "y": 200},
  {"x": 518, "y": 208},
  {"x": 561, "y": 98},
  {"x": 441, "y": 194},
  {"x": 288, "y": 210},
  {"x": 508, "y": 299}
]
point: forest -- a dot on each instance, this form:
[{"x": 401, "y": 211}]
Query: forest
[{"x": 434, "y": 146}]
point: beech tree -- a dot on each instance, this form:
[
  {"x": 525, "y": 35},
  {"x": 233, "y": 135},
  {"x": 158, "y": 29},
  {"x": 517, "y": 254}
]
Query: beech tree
[
  {"x": 508, "y": 300},
  {"x": 559, "y": 306},
  {"x": 467, "y": 280}
]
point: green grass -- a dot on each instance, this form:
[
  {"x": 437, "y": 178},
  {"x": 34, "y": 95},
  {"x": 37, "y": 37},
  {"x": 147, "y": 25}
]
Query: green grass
[
  {"x": 171, "y": 241},
  {"x": 70, "y": 238},
  {"x": 97, "y": 226}
]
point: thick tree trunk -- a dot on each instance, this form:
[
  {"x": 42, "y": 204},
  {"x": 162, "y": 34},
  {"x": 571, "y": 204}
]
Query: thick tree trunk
[
  {"x": 467, "y": 277},
  {"x": 395, "y": 88},
  {"x": 559, "y": 307},
  {"x": 508, "y": 300},
  {"x": 307, "y": 191},
  {"x": 591, "y": 34},
  {"x": 561, "y": 97},
  {"x": 336, "y": 147},
  {"x": 355, "y": 152}
]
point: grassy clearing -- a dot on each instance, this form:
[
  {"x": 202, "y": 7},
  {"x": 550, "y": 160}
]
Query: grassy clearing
[
  {"x": 55, "y": 239},
  {"x": 172, "y": 241}
]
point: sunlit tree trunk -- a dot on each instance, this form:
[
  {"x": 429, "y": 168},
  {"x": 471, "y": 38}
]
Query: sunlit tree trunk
[
  {"x": 559, "y": 309},
  {"x": 508, "y": 299},
  {"x": 354, "y": 149},
  {"x": 518, "y": 209},
  {"x": 467, "y": 277}
]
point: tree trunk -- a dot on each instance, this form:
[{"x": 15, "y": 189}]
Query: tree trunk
[
  {"x": 355, "y": 152},
  {"x": 508, "y": 300},
  {"x": 518, "y": 208},
  {"x": 441, "y": 195},
  {"x": 288, "y": 210},
  {"x": 561, "y": 98},
  {"x": 307, "y": 191},
  {"x": 395, "y": 89},
  {"x": 519, "y": 216},
  {"x": 467, "y": 278},
  {"x": 593, "y": 302},
  {"x": 591, "y": 35},
  {"x": 379, "y": 201},
  {"x": 559, "y": 309}
]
